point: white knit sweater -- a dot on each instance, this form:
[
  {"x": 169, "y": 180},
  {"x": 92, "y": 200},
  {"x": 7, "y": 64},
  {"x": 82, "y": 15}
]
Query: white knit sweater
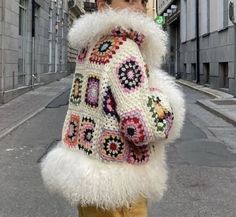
[{"x": 122, "y": 111}]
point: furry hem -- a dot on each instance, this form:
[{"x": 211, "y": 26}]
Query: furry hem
[{"x": 85, "y": 181}]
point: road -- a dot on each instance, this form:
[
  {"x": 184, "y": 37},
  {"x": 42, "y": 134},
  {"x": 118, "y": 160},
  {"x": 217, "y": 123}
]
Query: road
[{"x": 202, "y": 166}]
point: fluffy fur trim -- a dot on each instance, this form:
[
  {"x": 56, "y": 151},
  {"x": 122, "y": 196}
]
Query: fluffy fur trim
[
  {"x": 91, "y": 27},
  {"x": 87, "y": 181},
  {"x": 161, "y": 80}
]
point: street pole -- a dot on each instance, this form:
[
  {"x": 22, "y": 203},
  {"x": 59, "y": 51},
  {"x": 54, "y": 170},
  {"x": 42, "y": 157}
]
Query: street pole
[
  {"x": 234, "y": 91},
  {"x": 57, "y": 36},
  {"x": 197, "y": 43},
  {"x": 3, "y": 58},
  {"x": 50, "y": 35},
  {"x": 232, "y": 14},
  {"x": 33, "y": 45}
]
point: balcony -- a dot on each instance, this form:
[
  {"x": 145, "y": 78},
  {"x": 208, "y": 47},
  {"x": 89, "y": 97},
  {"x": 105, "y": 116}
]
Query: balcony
[
  {"x": 90, "y": 6},
  {"x": 76, "y": 7}
]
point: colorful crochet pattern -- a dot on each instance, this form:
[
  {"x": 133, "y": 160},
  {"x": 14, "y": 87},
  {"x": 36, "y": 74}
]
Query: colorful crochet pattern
[
  {"x": 162, "y": 117},
  {"x": 134, "y": 128},
  {"x": 112, "y": 146},
  {"x": 130, "y": 75},
  {"x": 72, "y": 133},
  {"x": 105, "y": 49},
  {"x": 119, "y": 115},
  {"x": 109, "y": 103},
  {"x": 86, "y": 132},
  {"x": 137, "y": 37},
  {"x": 82, "y": 55},
  {"x": 92, "y": 91},
  {"x": 138, "y": 155},
  {"x": 75, "y": 97}
]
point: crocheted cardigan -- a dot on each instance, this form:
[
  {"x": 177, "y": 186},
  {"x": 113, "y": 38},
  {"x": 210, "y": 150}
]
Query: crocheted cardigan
[{"x": 122, "y": 112}]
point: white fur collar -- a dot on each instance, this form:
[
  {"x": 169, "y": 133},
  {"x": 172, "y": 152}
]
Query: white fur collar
[{"x": 93, "y": 26}]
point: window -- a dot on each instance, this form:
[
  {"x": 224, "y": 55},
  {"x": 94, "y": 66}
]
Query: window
[
  {"x": 22, "y": 9},
  {"x": 183, "y": 21},
  {"x": 223, "y": 14},
  {"x": 226, "y": 14},
  {"x": 205, "y": 16},
  {"x": 21, "y": 75},
  {"x": 188, "y": 20},
  {"x": 191, "y": 7}
]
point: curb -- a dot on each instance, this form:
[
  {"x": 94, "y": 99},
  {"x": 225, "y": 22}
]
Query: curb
[
  {"x": 216, "y": 112},
  {"x": 214, "y": 93},
  {"x": 206, "y": 103},
  {"x": 198, "y": 89},
  {"x": 10, "y": 129},
  {"x": 28, "y": 117}
]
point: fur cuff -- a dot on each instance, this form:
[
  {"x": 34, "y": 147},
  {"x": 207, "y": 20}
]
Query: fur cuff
[{"x": 162, "y": 81}]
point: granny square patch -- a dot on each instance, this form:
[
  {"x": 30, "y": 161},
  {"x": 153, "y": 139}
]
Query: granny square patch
[
  {"x": 82, "y": 54},
  {"x": 72, "y": 132},
  {"x": 162, "y": 117},
  {"x": 109, "y": 104},
  {"x": 138, "y": 155},
  {"x": 134, "y": 128},
  {"x": 92, "y": 91},
  {"x": 105, "y": 49},
  {"x": 137, "y": 37},
  {"x": 86, "y": 135},
  {"x": 130, "y": 75},
  {"x": 75, "y": 97},
  {"x": 112, "y": 146}
]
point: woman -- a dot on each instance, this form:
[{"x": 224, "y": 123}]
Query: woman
[{"x": 122, "y": 112}]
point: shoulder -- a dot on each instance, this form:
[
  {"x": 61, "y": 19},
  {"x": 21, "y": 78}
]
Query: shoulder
[{"x": 112, "y": 48}]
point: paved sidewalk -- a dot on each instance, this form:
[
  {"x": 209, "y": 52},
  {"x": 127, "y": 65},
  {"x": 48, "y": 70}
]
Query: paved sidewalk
[
  {"x": 26, "y": 106},
  {"x": 222, "y": 104}
]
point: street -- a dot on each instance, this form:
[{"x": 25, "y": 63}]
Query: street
[{"x": 202, "y": 166}]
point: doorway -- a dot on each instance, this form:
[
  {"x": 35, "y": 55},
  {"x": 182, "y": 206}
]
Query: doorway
[{"x": 174, "y": 64}]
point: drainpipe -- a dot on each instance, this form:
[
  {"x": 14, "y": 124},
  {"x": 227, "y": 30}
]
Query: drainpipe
[
  {"x": 62, "y": 42},
  {"x": 33, "y": 45},
  {"x": 57, "y": 32},
  {"x": 197, "y": 43},
  {"x": 233, "y": 20},
  {"x": 232, "y": 17},
  {"x": 62, "y": 39},
  {"x": 3, "y": 51},
  {"x": 234, "y": 91},
  {"x": 50, "y": 35}
]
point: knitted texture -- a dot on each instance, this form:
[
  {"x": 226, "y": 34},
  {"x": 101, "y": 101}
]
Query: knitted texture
[
  {"x": 112, "y": 115},
  {"x": 122, "y": 112}
]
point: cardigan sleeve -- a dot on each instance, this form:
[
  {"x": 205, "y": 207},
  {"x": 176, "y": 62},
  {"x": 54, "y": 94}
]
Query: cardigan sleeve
[{"x": 145, "y": 113}]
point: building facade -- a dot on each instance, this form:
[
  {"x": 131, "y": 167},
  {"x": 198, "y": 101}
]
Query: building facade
[
  {"x": 33, "y": 43},
  {"x": 202, "y": 42},
  {"x": 152, "y": 8}
]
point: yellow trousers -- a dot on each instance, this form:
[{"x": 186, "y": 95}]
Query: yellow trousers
[{"x": 137, "y": 209}]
